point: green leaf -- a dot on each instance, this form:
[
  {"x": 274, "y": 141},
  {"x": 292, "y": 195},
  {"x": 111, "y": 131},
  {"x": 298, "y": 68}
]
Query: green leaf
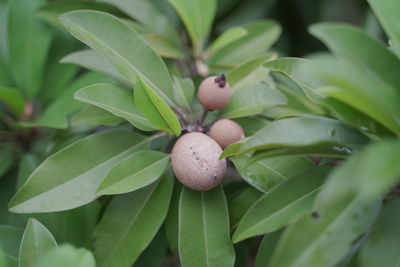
[
  {"x": 56, "y": 114},
  {"x": 36, "y": 241},
  {"x": 164, "y": 46},
  {"x": 356, "y": 47},
  {"x": 155, "y": 253},
  {"x": 386, "y": 11},
  {"x": 89, "y": 59},
  {"x": 293, "y": 68},
  {"x": 9, "y": 243},
  {"x": 116, "y": 100},
  {"x": 171, "y": 223},
  {"x": 264, "y": 174},
  {"x": 197, "y": 17},
  {"x": 155, "y": 109},
  {"x": 266, "y": 248},
  {"x": 356, "y": 85},
  {"x": 226, "y": 38},
  {"x": 382, "y": 247},
  {"x": 13, "y": 99},
  {"x": 183, "y": 91},
  {"x": 91, "y": 115},
  {"x": 283, "y": 205},
  {"x": 368, "y": 175},
  {"x": 138, "y": 170},
  {"x": 239, "y": 205},
  {"x": 28, "y": 43},
  {"x": 364, "y": 105},
  {"x": 252, "y": 100},
  {"x": 260, "y": 36},
  {"x": 52, "y": 10},
  {"x": 130, "y": 222},
  {"x": 304, "y": 132},
  {"x": 325, "y": 238},
  {"x": 28, "y": 163},
  {"x": 109, "y": 36},
  {"x": 239, "y": 74},
  {"x": 148, "y": 14},
  {"x": 69, "y": 178},
  {"x": 6, "y": 158},
  {"x": 67, "y": 256},
  {"x": 204, "y": 229}
]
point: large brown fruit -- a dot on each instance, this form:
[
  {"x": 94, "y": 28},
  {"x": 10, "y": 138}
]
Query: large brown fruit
[
  {"x": 214, "y": 92},
  {"x": 226, "y": 132},
  {"x": 194, "y": 160}
]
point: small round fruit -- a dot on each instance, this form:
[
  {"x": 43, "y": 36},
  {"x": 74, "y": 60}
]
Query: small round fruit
[
  {"x": 194, "y": 160},
  {"x": 226, "y": 132},
  {"x": 214, "y": 92}
]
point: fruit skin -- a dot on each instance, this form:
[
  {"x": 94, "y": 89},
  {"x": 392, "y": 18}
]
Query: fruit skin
[
  {"x": 194, "y": 160},
  {"x": 214, "y": 92},
  {"x": 226, "y": 132}
]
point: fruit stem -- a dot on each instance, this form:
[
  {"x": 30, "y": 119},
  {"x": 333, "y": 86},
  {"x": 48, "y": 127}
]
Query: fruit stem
[{"x": 203, "y": 116}]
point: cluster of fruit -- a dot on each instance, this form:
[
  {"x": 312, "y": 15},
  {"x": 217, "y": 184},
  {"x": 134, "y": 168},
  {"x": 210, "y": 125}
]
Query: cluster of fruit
[{"x": 195, "y": 156}]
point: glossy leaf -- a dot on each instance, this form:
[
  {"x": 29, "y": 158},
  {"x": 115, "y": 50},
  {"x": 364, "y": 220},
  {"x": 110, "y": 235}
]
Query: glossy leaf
[
  {"x": 28, "y": 43},
  {"x": 239, "y": 205},
  {"x": 36, "y": 242},
  {"x": 56, "y": 114},
  {"x": 147, "y": 13},
  {"x": 355, "y": 86},
  {"x": 171, "y": 223},
  {"x": 303, "y": 132},
  {"x": 382, "y": 247},
  {"x": 67, "y": 256},
  {"x": 386, "y": 11},
  {"x": 164, "y": 46},
  {"x": 9, "y": 243},
  {"x": 130, "y": 222},
  {"x": 260, "y": 36},
  {"x": 155, "y": 109},
  {"x": 364, "y": 105},
  {"x": 356, "y": 46},
  {"x": 368, "y": 175},
  {"x": 138, "y": 170},
  {"x": 326, "y": 237},
  {"x": 264, "y": 174},
  {"x": 116, "y": 100},
  {"x": 266, "y": 249},
  {"x": 236, "y": 76},
  {"x": 52, "y": 10},
  {"x": 197, "y": 17},
  {"x": 91, "y": 115},
  {"x": 13, "y": 99},
  {"x": 183, "y": 91},
  {"x": 252, "y": 100},
  {"x": 94, "y": 62},
  {"x": 204, "y": 229},
  {"x": 226, "y": 38},
  {"x": 155, "y": 253},
  {"x": 69, "y": 178},
  {"x": 282, "y": 205},
  {"x": 109, "y": 36}
]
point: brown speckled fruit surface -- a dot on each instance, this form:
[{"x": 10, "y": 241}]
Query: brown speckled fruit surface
[
  {"x": 194, "y": 160},
  {"x": 226, "y": 132},
  {"x": 212, "y": 95}
]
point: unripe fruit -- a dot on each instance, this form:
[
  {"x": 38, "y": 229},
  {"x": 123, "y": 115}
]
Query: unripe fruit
[
  {"x": 194, "y": 160},
  {"x": 214, "y": 92},
  {"x": 226, "y": 132}
]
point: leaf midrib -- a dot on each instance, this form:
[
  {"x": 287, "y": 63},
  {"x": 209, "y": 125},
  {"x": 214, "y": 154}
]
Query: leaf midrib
[
  {"x": 124, "y": 60},
  {"x": 136, "y": 174}
]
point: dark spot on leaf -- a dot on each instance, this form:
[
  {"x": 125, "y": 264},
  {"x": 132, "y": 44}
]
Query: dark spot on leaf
[{"x": 315, "y": 215}]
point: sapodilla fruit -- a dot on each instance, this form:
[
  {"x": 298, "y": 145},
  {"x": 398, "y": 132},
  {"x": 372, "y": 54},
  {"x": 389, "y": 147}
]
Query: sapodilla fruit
[
  {"x": 214, "y": 92},
  {"x": 194, "y": 160},
  {"x": 226, "y": 132}
]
